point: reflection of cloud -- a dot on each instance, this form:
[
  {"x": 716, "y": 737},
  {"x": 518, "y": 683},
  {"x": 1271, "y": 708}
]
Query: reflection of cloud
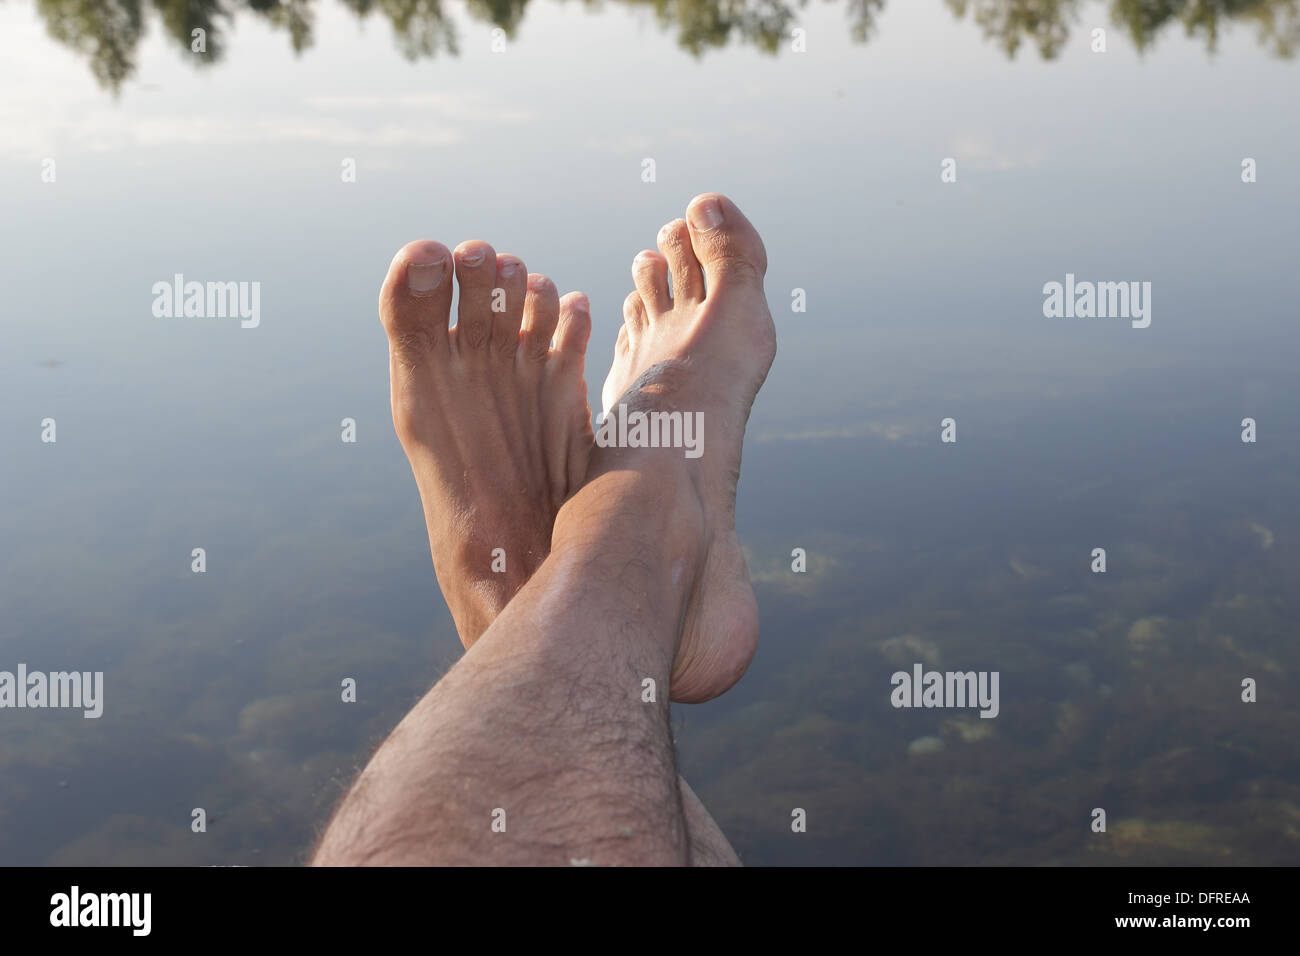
[
  {"x": 106, "y": 132},
  {"x": 979, "y": 152},
  {"x": 635, "y": 142},
  {"x": 198, "y": 130},
  {"x": 468, "y": 106},
  {"x": 626, "y": 143},
  {"x": 906, "y": 649},
  {"x": 1265, "y": 535},
  {"x": 383, "y": 121},
  {"x": 779, "y": 574}
]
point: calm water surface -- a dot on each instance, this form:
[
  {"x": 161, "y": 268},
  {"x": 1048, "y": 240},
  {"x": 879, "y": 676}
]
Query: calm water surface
[{"x": 924, "y": 301}]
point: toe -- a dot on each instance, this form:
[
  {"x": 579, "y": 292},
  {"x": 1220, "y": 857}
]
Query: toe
[
  {"x": 476, "y": 271},
  {"x": 568, "y": 417},
  {"x": 508, "y": 297},
  {"x": 675, "y": 244},
  {"x": 415, "y": 300},
  {"x": 634, "y": 317},
  {"x": 575, "y": 325},
  {"x": 650, "y": 273},
  {"x": 541, "y": 314},
  {"x": 725, "y": 243}
]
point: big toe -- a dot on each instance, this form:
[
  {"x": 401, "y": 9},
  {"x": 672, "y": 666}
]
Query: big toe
[
  {"x": 414, "y": 306},
  {"x": 415, "y": 299},
  {"x": 726, "y": 244}
]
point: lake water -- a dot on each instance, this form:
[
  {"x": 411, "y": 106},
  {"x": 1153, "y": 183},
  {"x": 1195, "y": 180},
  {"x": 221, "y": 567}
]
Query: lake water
[{"x": 529, "y": 126}]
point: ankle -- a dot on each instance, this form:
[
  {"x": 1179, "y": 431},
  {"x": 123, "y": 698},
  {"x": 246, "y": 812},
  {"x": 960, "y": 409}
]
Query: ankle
[{"x": 646, "y": 517}]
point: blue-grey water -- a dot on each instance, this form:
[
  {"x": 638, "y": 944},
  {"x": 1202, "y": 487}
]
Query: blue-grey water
[{"x": 924, "y": 301}]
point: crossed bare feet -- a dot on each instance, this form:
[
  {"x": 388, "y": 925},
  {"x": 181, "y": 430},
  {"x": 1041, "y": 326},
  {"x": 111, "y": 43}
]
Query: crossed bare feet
[{"x": 495, "y": 422}]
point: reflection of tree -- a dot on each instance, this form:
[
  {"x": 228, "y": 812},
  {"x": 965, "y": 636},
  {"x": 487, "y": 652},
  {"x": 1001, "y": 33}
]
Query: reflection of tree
[
  {"x": 1279, "y": 26},
  {"x": 702, "y": 24},
  {"x": 107, "y": 32},
  {"x": 711, "y": 23},
  {"x": 1047, "y": 22},
  {"x": 862, "y": 18},
  {"x": 294, "y": 15},
  {"x": 422, "y": 29},
  {"x": 505, "y": 14},
  {"x": 1278, "y": 22},
  {"x": 1011, "y": 21},
  {"x": 180, "y": 18}
]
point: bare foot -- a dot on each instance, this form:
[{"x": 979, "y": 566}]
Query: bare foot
[
  {"x": 706, "y": 348},
  {"x": 494, "y": 420}
]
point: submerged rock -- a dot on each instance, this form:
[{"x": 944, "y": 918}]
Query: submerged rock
[
  {"x": 908, "y": 648},
  {"x": 1080, "y": 672},
  {"x": 968, "y": 730},
  {"x": 1147, "y": 631},
  {"x": 1265, "y": 535},
  {"x": 925, "y": 745}
]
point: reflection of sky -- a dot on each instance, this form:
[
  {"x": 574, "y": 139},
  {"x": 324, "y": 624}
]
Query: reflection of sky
[
  {"x": 1106, "y": 165},
  {"x": 923, "y": 301}
]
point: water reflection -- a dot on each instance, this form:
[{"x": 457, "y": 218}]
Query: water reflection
[
  {"x": 108, "y": 32},
  {"x": 1118, "y": 692},
  {"x": 1046, "y": 23}
]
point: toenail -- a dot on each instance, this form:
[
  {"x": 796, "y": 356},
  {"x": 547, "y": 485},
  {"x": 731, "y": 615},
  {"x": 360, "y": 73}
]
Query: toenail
[
  {"x": 472, "y": 257},
  {"x": 706, "y": 215},
  {"x": 509, "y": 267},
  {"x": 424, "y": 277},
  {"x": 537, "y": 283}
]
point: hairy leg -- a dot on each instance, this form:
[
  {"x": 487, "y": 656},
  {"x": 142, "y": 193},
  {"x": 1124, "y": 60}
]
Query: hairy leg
[{"x": 536, "y": 747}]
